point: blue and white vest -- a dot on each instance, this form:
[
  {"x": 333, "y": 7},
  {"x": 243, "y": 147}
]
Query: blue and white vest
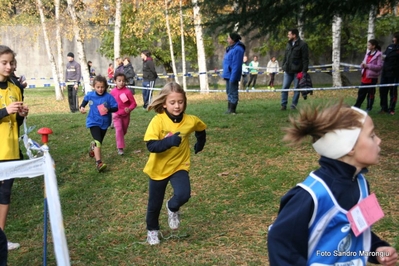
[{"x": 331, "y": 240}]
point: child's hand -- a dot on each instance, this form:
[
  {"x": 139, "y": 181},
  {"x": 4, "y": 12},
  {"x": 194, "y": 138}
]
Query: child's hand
[
  {"x": 82, "y": 110},
  {"x": 127, "y": 110},
  {"x": 174, "y": 140},
  {"x": 390, "y": 258},
  {"x": 14, "y": 107},
  {"x": 23, "y": 111}
]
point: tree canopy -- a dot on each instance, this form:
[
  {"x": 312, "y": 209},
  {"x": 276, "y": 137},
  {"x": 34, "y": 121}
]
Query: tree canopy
[{"x": 265, "y": 16}]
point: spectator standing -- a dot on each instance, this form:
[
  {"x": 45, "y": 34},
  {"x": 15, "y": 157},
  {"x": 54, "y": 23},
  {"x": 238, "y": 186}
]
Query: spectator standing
[
  {"x": 119, "y": 67},
  {"x": 253, "y": 72},
  {"x": 73, "y": 75},
  {"x": 390, "y": 74},
  {"x": 371, "y": 69},
  {"x": 92, "y": 71},
  {"x": 110, "y": 72},
  {"x": 245, "y": 73},
  {"x": 149, "y": 77},
  {"x": 128, "y": 70},
  {"x": 272, "y": 70},
  {"x": 232, "y": 69},
  {"x": 295, "y": 63}
]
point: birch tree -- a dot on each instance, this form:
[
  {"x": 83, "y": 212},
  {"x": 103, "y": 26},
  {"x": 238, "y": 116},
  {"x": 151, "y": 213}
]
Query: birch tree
[
  {"x": 336, "y": 51},
  {"x": 183, "y": 53},
  {"x": 117, "y": 31},
  {"x": 203, "y": 76},
  {"x": 58, "y": 39},
  {"x": 57, "y": 88},
  {"x": 172, "y": 55},
  {"x": 80, "y": 46},
  {"x": 371, "y": 25}
]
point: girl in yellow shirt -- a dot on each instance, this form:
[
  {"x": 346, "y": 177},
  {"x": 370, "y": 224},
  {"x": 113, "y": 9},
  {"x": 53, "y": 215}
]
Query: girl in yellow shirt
[{"x": 167, "y": 139}]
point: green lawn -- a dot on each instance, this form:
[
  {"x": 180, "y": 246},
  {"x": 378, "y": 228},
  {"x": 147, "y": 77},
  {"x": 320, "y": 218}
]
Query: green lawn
[{"x": 237, "y": 182}]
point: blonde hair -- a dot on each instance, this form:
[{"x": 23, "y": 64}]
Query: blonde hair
[
  {"x": 317, "y": 121},
  {"x": 158, "y": 103}
]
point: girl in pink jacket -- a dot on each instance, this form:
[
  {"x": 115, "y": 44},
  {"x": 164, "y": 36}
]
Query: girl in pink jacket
[
  {"x": 371, "y": 69},
  {"x": 126, "y": 104}
]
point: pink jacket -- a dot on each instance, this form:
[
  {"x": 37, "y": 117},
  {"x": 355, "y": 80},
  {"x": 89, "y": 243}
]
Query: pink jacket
[
  {"x": 130, "y": 103},
  {"x": 374, "y": 66}
]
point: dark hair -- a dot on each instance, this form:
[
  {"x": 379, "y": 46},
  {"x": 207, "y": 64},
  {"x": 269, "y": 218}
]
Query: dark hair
[
  {"x": 110, "y": 64},
  {"x": 294, "y": 32},
  {"x": 375, "y": 43},
  {"x": 89, "y": 62},
  {"x": 160, "y": 100},
  {"x": 235, "y": 36},
  {"x": 127, "y": 58},
  {"x": 6, "y": 50},
  {"x": 120, "y": 74},
  {"x": 100, "y": 79},
  {"x": 396, "y": 36},
  {"x": 146, "y": 53}
]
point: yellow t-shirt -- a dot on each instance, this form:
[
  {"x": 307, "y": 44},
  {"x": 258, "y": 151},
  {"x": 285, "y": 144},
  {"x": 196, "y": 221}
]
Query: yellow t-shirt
[
  {"x": 162, "y": 165},
  {"x": 9, "y": 147}
]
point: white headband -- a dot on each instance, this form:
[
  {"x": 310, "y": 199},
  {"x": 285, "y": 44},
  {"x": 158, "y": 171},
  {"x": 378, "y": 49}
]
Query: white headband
[{"x": 337, "y": 143}]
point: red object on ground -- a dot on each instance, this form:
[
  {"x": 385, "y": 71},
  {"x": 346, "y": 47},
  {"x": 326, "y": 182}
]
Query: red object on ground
[{"x": 45, "y": 131}]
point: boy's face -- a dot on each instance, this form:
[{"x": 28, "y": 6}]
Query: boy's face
[
  {"x": 120, "y": 82},
  {"x": 174, "y": 103},
  {"x": 100, "y": 88}
]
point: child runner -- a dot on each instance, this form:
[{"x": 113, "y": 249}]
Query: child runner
[
  {"x": 12, "y": 113},
  {"x": 102, "y": 104},
  {"x": 126, "y": 104},
  {"x": 312, "y": 227},
  {"x": 167, "y": 139}
]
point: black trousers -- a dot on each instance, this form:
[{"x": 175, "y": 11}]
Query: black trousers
[{"x": 73, "y": 99}]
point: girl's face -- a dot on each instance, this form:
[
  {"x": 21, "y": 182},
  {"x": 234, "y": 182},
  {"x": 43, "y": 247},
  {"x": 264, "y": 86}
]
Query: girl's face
[
  {"x": 174, "y": 103},
  {"x": 370, "y": 47},
  {"x": 273, "y": 59},
  {"x": 143, "y": 56},
  {"x": 120, "y": 82},
  {"x": 367, "y": 148},
  {"x": 100, "y": 87},
  {"x": 6, "y": 66}
]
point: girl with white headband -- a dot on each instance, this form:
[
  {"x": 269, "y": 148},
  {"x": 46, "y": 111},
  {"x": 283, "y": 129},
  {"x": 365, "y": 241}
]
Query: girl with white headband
[{"x": 312, "y": 227}]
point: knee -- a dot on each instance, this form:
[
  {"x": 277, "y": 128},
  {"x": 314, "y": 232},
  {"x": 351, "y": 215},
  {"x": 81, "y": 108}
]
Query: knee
[{"x": 183, "y": 196}]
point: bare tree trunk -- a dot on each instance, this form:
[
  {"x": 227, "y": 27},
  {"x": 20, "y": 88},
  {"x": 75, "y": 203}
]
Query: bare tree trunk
[
  {"x": 203, "y": 75},
  {"x": 172, "y": 56},
  {"x": 117, "y": 31},
  {"x": 57, "y": 88},
  {"x": 80, "y": 46},
  {"x": 371, "y": 26},
  {"x": 336, "y": 51},
  {"x": 58, "y": 39},
  {"x": 300, "y": 24},
  {"x": 183, "y": 52}
]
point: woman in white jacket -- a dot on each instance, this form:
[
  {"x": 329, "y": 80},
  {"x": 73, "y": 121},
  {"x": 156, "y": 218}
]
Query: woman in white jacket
[{"x": 272, "y": 69}]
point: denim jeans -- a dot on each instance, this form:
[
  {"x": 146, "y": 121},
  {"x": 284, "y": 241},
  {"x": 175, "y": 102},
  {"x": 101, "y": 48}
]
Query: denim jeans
[
  {"x": 288, "y": 78},
  {"x": 180, "y": 182},
  {"x": 232, "y": 91},
  {"x": 147, "y": 93}
]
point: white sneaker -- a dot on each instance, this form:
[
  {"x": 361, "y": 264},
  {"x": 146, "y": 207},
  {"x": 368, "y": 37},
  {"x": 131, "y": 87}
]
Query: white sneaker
[
  {"x": 253, "y": 88},
  {"x": 152, "y": 237},
  {"x": 12, "y": 245},
  {"x": 120, "y": 151},
  {"x": 173, "y": 218}
]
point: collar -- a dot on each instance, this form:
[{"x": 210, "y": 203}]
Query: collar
[
  {"x": 337, "y": 169},
  {"x": 175, "y": 119}
]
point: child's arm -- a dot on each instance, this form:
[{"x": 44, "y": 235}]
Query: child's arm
[
  {"x": 162, "y": 145},
  {"x": 201, "y": 139},
  {"x": 82, "y": 106}
]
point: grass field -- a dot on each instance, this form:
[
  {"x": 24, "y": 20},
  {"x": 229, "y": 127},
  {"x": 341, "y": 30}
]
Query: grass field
[{"x": 237, "y": 182}]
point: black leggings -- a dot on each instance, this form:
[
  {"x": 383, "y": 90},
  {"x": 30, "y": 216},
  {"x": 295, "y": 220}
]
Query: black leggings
[
  {"x": 98, "y": 134},
  {"x": 252, "y": 79}
]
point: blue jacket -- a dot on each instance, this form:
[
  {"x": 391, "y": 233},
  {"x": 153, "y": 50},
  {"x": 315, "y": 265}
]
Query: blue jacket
[
  {"x": 232, "y": 62},
  {"x": 94, "y": 118}
]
